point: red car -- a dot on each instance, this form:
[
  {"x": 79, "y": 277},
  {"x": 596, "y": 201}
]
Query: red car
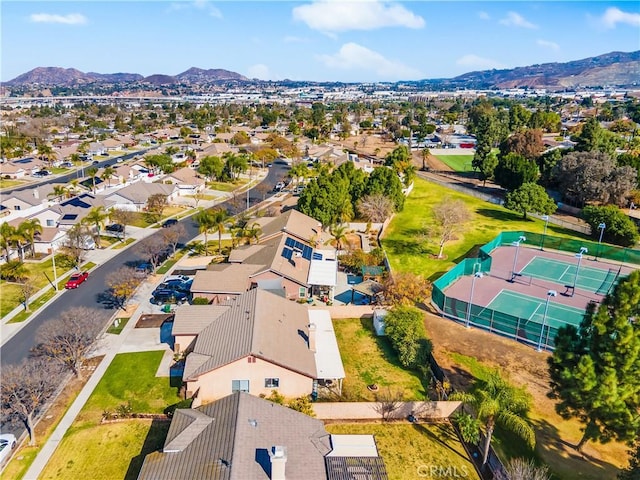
[{"x": 76, "y": 279}]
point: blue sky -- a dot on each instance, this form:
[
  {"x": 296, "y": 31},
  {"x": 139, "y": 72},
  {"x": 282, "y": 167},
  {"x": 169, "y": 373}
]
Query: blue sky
[{"x": 328, "y": 40}]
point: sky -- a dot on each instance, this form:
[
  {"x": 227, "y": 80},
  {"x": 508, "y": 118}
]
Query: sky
[{"x": 317, "y": 40}]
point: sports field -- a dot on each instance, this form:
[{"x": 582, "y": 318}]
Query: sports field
[
  {"x": 533, "y": 309},
  {"x": 459, "y": 163}
]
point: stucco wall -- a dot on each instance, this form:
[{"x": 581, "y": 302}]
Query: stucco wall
[
  {"x": 371, "y": 410},
  {"x": 217, "y": 384}
]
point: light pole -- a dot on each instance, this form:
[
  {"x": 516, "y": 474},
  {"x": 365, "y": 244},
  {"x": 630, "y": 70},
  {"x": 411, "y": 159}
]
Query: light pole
[
  {"x": 473, "y": 284},
  {"x": 544, "y": 233},
  {"x": 55, "y": 273},
  {"x": 582, "y": 251},
  {"x": 515, "y": 257},
  {"x": 550, "y": 293},
  {"x": 601, "y": 227}
]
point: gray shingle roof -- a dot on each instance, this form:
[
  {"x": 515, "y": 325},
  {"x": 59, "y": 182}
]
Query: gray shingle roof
[
  {"x": 257, "y": 323},
  {"x": 234, "y": 443},
  {"x": 192, "y": 319}
]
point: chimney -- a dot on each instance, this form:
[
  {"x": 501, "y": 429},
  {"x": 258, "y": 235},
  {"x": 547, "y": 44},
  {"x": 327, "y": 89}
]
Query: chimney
[
  {"x": 278, "y": 457},
  {"x": 36, "y": 194},
  {"x": 312, "y": 337}
]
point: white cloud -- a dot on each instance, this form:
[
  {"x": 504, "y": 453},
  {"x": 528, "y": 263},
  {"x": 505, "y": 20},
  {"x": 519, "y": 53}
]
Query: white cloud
[
  {"x": 70, "y": 19},
  {"x": 293, "y": 39},
  {"x": 259, "y": 71},
  {"x": 339, "y": 16},
  {"x": 548, "y": 44},
  {"x": 352, "y": 56},
  {"x": 202, "y": 5},
  {"x": 514, "y": 19},
  {"x": 474, "y": 61},
  {"x": 484, "y": 16},
  {"x": 613, "y": 16}
]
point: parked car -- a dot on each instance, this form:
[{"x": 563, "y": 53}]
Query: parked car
[
  {"x": 143, "y": 268},
  {"x": 88, "y": 243},
  {"x": 76, "y": 280},
  {"x": 7, "y": 443},
  {"x": 177, "y": 285},
  {"x": 169, "y": 296},
  {"x": 115, "y": 227},
  {"x": 67, "y": 165},
  {"x": 169, "y": 223},
  {"x": 279, "y": 186},
  {"x": 184, "y": 278}
]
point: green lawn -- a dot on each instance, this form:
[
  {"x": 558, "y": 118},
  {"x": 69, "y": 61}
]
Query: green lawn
[
  {"x": 8, "y": 183},
  {"x": 144, "y": 220},
  {"x": 369, "y": 359},
  {"x": 122, "y": 322},
  {"x": 406, "y": 241},
  {"x": 415, "y": 451},
  {"x": 116, "y": 450},
  {"x": 227, "y": 186},
  {"x": 460, "y": 163},
  {"x": 128, "y": 241}
]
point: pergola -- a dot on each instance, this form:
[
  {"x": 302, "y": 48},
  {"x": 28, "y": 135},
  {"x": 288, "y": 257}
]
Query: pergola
[{"x": 369, "y": 288}]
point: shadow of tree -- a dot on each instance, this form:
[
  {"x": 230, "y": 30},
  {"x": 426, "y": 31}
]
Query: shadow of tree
[{"x": 153, "y": 441}]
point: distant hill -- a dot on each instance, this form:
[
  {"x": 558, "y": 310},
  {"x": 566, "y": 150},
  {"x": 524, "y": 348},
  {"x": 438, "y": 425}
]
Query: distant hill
[
  {"x": 615, "y": 69},
  {"x": 72, "y": 77},
  {"x": 611, "y": 69}
]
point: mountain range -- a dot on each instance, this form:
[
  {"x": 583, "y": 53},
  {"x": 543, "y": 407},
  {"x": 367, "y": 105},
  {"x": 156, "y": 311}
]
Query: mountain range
[{"x": 619, "y": 69}]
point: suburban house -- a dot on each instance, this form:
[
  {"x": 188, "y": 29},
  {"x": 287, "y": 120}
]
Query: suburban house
[
  {"x": 113, "y": 145},
  {"x": 244, "y": 437},
  {"x": 49, "y": 240},
  {"x": 12, "y": 170},
  {"x": 75, "y": 209},
  {"x": 28, "y": 198},
  {"x": 96, "y": 148},
  {"x": 214, "y": 150},
  {"x": 241, "y": 349},
  {"x": 125, "y": 174},
  {"x": 21, "y": 167},
  {"x": 134, "y": 197},
  {"x": 186, "y": 179},
  {"x": 222, "y": 281}
]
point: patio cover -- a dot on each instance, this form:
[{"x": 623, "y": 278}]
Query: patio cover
[
  {"x": 370, "y": 288},
  {"x": 327, "y": 355},
  {"x": 323, "y": 272}
]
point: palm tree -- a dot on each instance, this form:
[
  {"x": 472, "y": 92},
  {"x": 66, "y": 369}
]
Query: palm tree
[
  {"x": 7, "y": 233},
  {"x": 339, "y": 234},
  {"x": 495, "y": 401},
  {"x": 96, "y": 217},
  {"x": 91, "y": 171},
  {"x": 18, "y": 239},
  {"x": 45, "y": 152},
  {"x": 425, "y": 153},
  {"x": 220, "y": 218},
  {"x": 28, "y": 229},
  {"x": 206, "y": 222},
  {"x": 253, "y": 232},
  {"x": 58, "y": 192},
  {"x": 107, "y": 173}
]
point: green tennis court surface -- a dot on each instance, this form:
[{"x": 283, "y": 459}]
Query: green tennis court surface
[
  {"x": 532, "y": 308},
  {"x": 591, "y": 279}
]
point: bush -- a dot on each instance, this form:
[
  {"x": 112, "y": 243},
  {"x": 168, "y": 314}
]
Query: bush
[
  {"x": 200, "y": 301},
  {"x": 13, "y": 271},
  {"x": 405, "y": 329},
  {"x": 619, "y": 230}
]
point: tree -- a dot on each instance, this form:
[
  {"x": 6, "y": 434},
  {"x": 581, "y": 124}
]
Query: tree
[
  {"x": 375, "y": 208},
  {"x": 632, "y": 472},
  {"x": 406, "y": 288},
  {"x": 28, "y": 230},
  {"x": 122, "y": 285},
  {"x": 172, "y": 235},
  {"x": 594, "y": 138},
  {"x": 58, "y": 192},
  {"x": 219, "y": 223},
  {"x": 153, "y": 249},
  {"x": 530, "y": 197},
  {"x": 469, "y": 427},
  {"x": 449, "y": 217},
  {"x": 205, "y": 221},
  {"x": 527, "y": 143},
  {"x": 123, "y": 217},
  {"x": 6, "y": 238},
  {"x": 339, "y": 234},
  {"x": 594, "y": 368},
  {"x": 404, "y": 326},
  {"x": 619, "y": 228},
  {"x": 513, "y": 170},
  {"x": 497, "y": 402},
  {"x": 27, "y": 289},
  {"x": 156, "y": 204},
  {"x": 107, "y": 173},
  {"x": 96, "y": 217},
  {"x": 521, "y": 469},
  {"x": 253, "y": 232},
  {"x": 68, "y": 339},
  {"x": 91, "y": 172},
  {"x": 385, "y": 181},
  {"x": 73, "y": 245},
  {"x": 25, "y": 390},
  {"x": 211, "y": 167}
]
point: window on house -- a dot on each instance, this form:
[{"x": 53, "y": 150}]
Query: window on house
[
  {"x": 17, "y": 207},
  {"x": 240, "y": 386},
  {"x": 50, "y": 223},
  {"x": 302, "y": 292},
  {"x": 271, "y": 382}
]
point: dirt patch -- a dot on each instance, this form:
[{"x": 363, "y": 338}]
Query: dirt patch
[{"x": 153, "y": 320}]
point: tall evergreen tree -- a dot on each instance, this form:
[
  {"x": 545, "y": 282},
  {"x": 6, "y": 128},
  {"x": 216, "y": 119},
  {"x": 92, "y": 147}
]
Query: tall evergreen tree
[{"x": 595, "y": 370}]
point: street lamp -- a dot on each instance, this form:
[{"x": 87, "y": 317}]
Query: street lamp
[
  {"x": 550, "y": 293},
  {"x": 583, "y": 250},
  {"x": 473, "y": 284},
  {"x": 601, "y": 227},
  {"x": 55, "y": 273},
  {"x": 515, "y": 257},
  {"x": 544, "y": 233}
]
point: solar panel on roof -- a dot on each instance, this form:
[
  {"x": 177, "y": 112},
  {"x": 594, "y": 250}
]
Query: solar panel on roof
[
  {"x": 306, "y": 252},
  {"x": 69, "y": 216},
  {"x": 287, "y": 253},
  {"x": 316, "y": 256},
  {"x": 23, "y": 160},
  {"x": 289, "y": 242}
]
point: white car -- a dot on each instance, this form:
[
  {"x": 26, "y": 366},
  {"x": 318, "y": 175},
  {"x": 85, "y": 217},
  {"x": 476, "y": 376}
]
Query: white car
[
  {"x": 182, "y": 278},
  {"x": 7, "y": 443}
]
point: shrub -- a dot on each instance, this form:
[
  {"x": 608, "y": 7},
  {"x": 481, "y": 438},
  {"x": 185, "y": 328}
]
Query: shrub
[
  {"x": 619, "y": 230},
  {"x": 405, "y": 329},
  {"x": 200, "y": 301}
]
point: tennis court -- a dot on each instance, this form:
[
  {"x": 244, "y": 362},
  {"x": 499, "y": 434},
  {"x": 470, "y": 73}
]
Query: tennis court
[
  {"x": 564, "y": 273},
  {"x": 532, "y": 309}
]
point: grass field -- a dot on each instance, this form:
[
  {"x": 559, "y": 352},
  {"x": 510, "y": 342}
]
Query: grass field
[
  {"x": 8, "y": 183},
  {"x": 227, "y": 186},
  {"x": 423, "y": 449},
  {"x": 459, "y": 163},
  {"x": 144, "y": 220},
  {"x": 369, "y": 359},
  {"x": 116, "y": 450},
  {"x": 409, "y": 248}
]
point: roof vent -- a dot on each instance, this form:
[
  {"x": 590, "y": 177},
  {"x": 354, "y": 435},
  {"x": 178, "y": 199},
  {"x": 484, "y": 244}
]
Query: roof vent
[{"x": 253, "y": 422}]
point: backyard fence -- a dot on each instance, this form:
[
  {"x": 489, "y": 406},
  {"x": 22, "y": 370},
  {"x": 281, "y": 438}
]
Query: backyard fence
[{"x": 522, "y": 329}]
